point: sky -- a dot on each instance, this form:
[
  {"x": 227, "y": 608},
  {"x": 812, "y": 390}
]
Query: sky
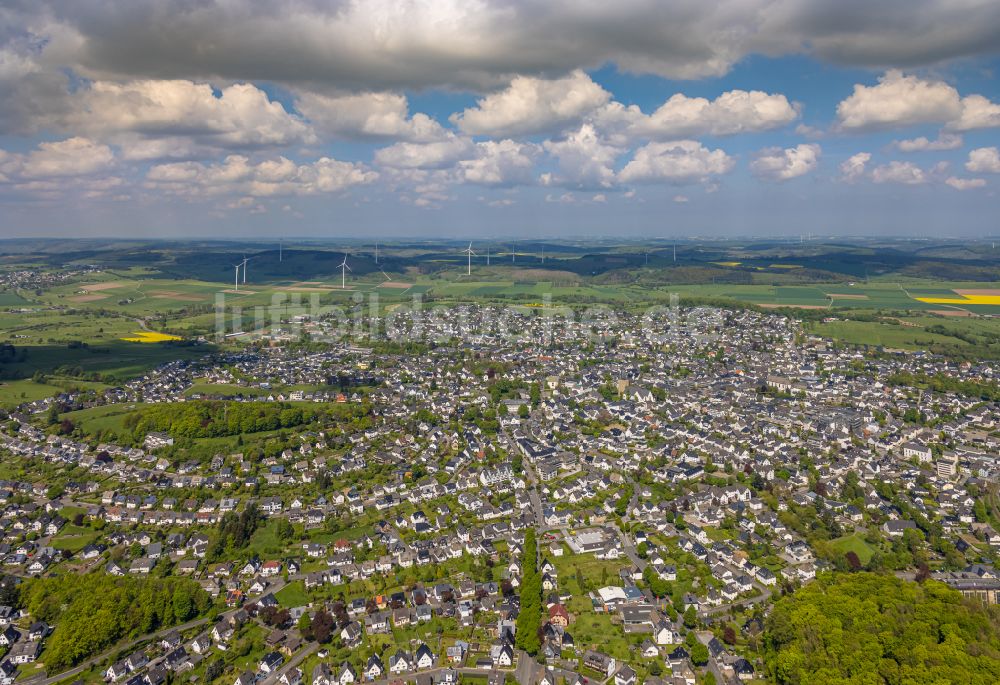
[{"x": 496, "y": 118}]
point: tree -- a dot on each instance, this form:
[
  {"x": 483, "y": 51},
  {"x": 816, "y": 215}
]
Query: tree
[
  {"x": 853, "y": 562},
  {"x": 869, "y": 628},
  {"x": 305, "y": 626},
  {"x": 214, "y": 669},
  {"x": 284, "y": 530},
  {"x": 690, "y": 618},
  {"x": 729, "y": 635},
  {"x": 923, "y": 572},
  {"x": 183, "y": 604},
  {"x": 322, "y": 627},
  {"x": 656, "y": 585},
  {"x": 979, "y": 510},
  {"x": 699, "y": 654}
]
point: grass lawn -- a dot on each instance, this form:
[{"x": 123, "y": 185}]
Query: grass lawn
[
  {"x": 105, "y": 417},
  {"x": 853, "y": 543},
  {"x": 69, "y": 512},
  {"x": 265, "y": 542},
  {"x": 293, "y": 595},
  {"x": 76, "y": 539}
]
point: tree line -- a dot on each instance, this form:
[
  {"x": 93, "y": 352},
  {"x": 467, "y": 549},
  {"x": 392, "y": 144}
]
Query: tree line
[
  {"x": 212, "y": 419},
  {"x": 529, "y": 617}
]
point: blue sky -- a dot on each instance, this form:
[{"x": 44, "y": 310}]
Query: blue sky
[{"x": 483, "y": 118}]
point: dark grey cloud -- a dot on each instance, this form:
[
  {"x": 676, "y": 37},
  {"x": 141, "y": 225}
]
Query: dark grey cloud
[
  {"x": 884, "y": 33},
  {"x": 480, "y": 44}
]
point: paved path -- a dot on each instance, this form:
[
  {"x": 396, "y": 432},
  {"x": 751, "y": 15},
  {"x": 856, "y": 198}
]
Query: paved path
[
  {"x": 292, "y": 663},
  {"x": 532, "y": 478}
]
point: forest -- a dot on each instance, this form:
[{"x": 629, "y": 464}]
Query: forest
[
  {"x": 868, "y": 629},
  {"x": 92, "y": 612}
]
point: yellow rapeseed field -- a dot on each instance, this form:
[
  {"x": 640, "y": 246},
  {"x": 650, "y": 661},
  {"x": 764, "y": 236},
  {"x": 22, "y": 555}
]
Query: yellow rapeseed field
[
  {"x": 150, "y": 337},
  {"x": 965, "y": 299}
]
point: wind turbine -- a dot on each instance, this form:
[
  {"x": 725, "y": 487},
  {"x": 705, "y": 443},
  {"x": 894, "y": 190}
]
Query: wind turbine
[
  {"x": 513, "y": 253},
  {"x": 376, "y": 252},
  {"x": 487, "y": 255},
  {"x": 280, "y": 253},
  {"x": 245, "y": 260},
  {"x": 343, "y": 272},
  {"x": 469, "y": 252},
  {"x": 238, "y": 265}
]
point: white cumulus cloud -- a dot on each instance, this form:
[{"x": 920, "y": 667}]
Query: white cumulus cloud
[
  {"x": 977, "y": 112},
  {"x": 853, "y": 167},
  {"x": 238, "y": 175},
  {"x": 367, "y": 115},
  {"x": 500, "y": 163},
  {"x": 903, "y": 100},
  {"x": 735, "y": 111},
  {"x": 965, "y": 183},
  {"x": 71, "y": 157},
  {"x": 906, "y": 173},
  {"x": 984, "y": 160},
  {"x": 945, "y": 141},
  {"x": 533, "y": 105},
  {"x": 678, "y": 162},
  {"x": 436, "y": 155},
  {"x": 782, "y": 165},
  {"x": 899, "y": 100},
  {"x": 585, "y": 160}
]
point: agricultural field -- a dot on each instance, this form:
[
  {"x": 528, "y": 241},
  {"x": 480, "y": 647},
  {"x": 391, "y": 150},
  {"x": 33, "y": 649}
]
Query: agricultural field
[
  {"x": 897, "y": 336},
  {"x": 14, "y": 392},
  {"x": 114, "y": 360},
  {"x": 11, "y": 299},
  {"x": 146, "y": 307}
]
